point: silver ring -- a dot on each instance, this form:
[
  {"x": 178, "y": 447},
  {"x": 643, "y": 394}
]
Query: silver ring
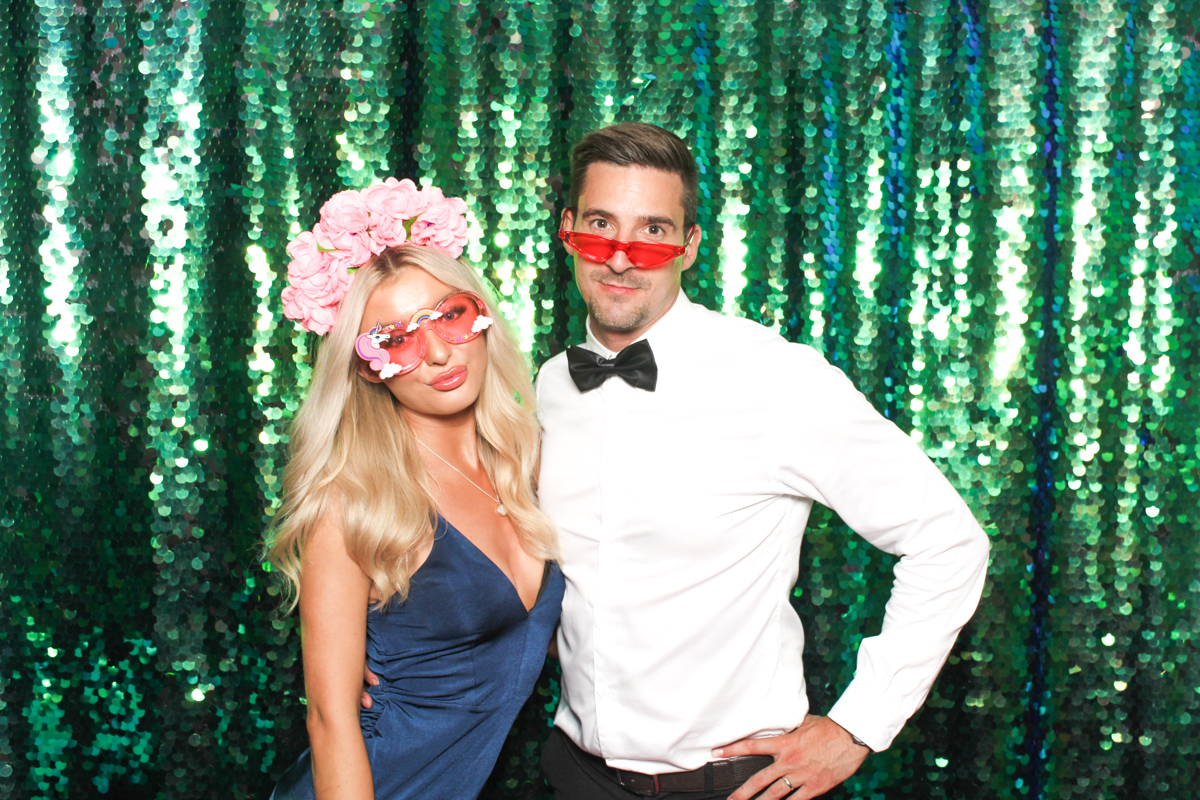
[{"x": 789, "y": 783}]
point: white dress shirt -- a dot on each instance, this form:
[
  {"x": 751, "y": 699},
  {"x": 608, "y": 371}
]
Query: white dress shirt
[{"x": 681, "y": 512}]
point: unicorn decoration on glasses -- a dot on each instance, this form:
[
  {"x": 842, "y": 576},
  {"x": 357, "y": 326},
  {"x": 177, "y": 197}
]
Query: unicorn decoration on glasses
[{"x": 376, "y": 335}]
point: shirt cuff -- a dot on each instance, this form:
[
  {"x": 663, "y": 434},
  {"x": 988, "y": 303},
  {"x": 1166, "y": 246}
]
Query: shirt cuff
[{"x": 872, "y": 718}]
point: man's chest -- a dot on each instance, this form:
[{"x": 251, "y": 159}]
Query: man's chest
[{"x": 666, "y": 470}]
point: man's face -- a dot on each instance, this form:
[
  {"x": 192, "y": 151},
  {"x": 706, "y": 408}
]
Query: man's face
[{"x": 629, "y": 204}]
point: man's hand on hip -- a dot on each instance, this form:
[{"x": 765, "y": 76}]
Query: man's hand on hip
[
  {"x": 809, "y": 761},
  {"x": 369, "y": 679}
]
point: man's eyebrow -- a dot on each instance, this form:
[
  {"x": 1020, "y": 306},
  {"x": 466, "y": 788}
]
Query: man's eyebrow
[{"x": 646, "y": 220}]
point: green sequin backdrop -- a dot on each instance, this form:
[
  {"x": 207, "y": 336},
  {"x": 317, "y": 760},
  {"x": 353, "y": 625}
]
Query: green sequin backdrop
[{"x": 985, "y": 212}]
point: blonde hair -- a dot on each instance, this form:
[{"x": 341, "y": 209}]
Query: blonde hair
[{"x": 354, "y": 454}]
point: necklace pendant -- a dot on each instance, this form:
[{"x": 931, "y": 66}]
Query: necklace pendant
[{"x": 501, "y": 510}]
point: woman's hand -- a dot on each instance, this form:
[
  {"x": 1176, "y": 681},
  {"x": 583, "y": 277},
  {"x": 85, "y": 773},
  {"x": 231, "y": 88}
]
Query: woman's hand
[{"x": 334, "y": 594}]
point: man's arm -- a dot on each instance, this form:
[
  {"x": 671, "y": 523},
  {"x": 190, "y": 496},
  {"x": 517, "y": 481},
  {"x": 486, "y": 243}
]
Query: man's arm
[
  {"x": 853, "y": 460},
  {"x": 844, "y": 454}
]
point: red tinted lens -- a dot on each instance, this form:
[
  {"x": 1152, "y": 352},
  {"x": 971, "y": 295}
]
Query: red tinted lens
[
  {"x": 459, "y": 312},
  {"x": 651, "y": 254},
  {"x": 601, "y": 248},
  {"x": 591, "y": 246}
]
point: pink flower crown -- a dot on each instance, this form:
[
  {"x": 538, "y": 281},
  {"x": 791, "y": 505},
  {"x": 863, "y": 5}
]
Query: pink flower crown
[{"x": 354, "y": 227}]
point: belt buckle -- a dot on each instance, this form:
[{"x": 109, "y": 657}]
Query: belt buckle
[{"x": 640, "y": 790}]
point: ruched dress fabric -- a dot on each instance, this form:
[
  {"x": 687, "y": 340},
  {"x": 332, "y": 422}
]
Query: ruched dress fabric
[{"x": 456, "y": 661}]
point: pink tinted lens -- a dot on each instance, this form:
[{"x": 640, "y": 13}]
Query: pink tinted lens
[
  {"x": 404, "y": 349},
  {"x": 457, "y": 322}
]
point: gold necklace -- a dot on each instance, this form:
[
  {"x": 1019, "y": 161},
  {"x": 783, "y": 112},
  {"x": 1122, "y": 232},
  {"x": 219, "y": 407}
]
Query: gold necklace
[{"x": 500, "y": 509}]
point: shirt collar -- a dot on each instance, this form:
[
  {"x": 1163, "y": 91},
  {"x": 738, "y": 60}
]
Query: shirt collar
[{"x": 662, "y": 330}]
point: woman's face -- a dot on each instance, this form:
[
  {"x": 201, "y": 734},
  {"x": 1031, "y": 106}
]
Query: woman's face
[{"x": 447, "y": 382}]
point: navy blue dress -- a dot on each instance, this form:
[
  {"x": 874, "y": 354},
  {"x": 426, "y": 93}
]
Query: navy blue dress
[{"x": 456, "y": 661}]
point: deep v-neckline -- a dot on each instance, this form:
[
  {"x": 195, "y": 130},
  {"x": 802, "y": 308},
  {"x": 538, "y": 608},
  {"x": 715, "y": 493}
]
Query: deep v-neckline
[{"x": 507, "y": 580}]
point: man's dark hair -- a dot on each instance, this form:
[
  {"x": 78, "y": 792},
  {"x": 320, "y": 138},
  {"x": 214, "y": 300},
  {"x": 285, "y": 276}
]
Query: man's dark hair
[{"x": 636, "y": 144}]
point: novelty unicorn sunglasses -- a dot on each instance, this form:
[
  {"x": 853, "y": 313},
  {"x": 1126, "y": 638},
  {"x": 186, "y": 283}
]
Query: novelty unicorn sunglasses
[{"x": 399, "y": 347}]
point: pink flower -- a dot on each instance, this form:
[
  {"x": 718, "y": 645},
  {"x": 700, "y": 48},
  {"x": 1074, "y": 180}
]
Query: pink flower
[
  {"x": 317, "y": 279},
  {"x": 354, "y": 247},
  {"x": 395, "y": 198},
  {"x": 433, "y": 195},
  {"x": 442, "y": 226},
  {"x": 345, "y": 212},
  {"x": 326, "y": 285},
  {"x": 389, "y": 231},
  {"x": 311, "y": 315},
  {"x": 307, "y": 255},
  {"x": 355, "y": 226},
  {"x": 375, "y": 197}
]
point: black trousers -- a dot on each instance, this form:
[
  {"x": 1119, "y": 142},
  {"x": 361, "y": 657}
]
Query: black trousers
[{"x": 575, "y": 776}]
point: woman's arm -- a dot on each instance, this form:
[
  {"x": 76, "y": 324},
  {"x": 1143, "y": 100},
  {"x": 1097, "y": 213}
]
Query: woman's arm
[{"x": 333, "y": 612}]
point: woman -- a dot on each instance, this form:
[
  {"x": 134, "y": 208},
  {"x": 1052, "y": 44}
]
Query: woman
[{"x": 409, "y": 528}]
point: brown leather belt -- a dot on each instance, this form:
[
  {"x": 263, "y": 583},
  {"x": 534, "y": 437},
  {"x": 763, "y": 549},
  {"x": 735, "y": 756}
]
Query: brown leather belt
[{"x": 715, "y": 776}]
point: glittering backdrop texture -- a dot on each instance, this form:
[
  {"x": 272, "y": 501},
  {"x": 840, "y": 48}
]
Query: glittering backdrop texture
[{"x": 984, "y": 212}]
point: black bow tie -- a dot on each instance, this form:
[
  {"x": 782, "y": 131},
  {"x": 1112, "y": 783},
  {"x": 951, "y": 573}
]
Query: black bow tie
[{"x": 635, "y": 364}]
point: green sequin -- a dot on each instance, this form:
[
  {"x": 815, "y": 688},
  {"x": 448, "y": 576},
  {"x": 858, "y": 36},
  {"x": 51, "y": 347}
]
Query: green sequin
[{"x": 984, "y": 212}]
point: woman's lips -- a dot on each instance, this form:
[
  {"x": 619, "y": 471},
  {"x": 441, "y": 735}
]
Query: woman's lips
[{"x": 450, "y": 379}]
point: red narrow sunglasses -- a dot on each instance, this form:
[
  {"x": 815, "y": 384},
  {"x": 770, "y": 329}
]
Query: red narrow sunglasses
[{"x": 642, "y": 255}]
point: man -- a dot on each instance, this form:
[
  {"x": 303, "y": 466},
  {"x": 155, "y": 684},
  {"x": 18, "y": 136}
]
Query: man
[{"x": 681, "y": 486}]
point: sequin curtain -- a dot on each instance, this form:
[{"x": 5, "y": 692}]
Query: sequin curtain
[{"x": 985, "y": 212}]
